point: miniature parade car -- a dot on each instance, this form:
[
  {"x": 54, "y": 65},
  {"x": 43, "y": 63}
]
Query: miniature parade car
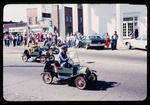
[
  {"x": 43, "y": 55},
  {"x": 81, "y": 75},
  {"x": 55, "y": 50}
]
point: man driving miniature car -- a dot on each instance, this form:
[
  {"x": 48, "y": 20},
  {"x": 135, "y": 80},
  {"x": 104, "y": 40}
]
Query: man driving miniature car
[
  {"x": 63, "y": 57},
  {"x": 33, "y": 45}
]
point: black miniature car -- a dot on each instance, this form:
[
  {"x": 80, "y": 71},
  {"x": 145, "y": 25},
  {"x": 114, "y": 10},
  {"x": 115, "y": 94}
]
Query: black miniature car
[{"x": 55, "y": 50}]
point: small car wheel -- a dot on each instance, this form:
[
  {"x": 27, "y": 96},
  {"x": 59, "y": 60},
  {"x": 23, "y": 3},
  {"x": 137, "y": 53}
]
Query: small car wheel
[
  {"x": 87, "y": 46},
  {"x": 51, "y": 58},
  {"x": 47, "y": 78},
  {"x": 80, "y": 82},
  {"x": 25, "y": 58},
  {"x": 42, "y": 59},
  {"x": 93, "y": 78}
]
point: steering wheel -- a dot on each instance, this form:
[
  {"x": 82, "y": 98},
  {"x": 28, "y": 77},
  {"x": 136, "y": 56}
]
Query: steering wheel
[{"x": 70, "y": 61}]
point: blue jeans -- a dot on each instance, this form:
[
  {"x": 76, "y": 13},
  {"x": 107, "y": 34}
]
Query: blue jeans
[
  {"x": 115, "y": 43},
  {"x": 112, "y": 46}
]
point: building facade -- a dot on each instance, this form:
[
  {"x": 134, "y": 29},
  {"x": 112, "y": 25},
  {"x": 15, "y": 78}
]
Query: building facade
[
  {"x": 36, "y": 25},
  {"x": 14, "y": 27},
  {"x": 123, "y": 18}
]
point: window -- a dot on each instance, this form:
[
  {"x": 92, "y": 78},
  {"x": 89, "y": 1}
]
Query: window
[
  {"x": 30, "y": 20},
  {"x": 70, "y": 19},
  {"x": 130, "y": 28},
  {"x": 36, "y": 19},
  {"x": 124, "y": 29},
  {"x": 46, "y": 15},
  {"x": 66, "y": 18},
  {"x": 135, "y": 18},
  {"x": 128, "y": 19}
]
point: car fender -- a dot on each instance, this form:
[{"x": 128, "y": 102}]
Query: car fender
[
  {"x": 93, "y": 71},
  {"x": 81, "y": 74}
]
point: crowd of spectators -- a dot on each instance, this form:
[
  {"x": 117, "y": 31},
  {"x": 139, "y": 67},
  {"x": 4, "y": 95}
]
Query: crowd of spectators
[{"x": 71, "y": 40}]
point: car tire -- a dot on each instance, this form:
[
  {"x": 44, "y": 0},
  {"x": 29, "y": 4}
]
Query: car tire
[
  {"x": 25, "y": 58},
  {"x": 87, "y": 46},
  {"x": 80, "y": 82},
  {"x": 92, "y": 79},
  {"x": 52, "y": 58},
  {"x": 42, "y": 59},
  {"x": 47, "y": 78},
  {"x": 129, "y": 46}
]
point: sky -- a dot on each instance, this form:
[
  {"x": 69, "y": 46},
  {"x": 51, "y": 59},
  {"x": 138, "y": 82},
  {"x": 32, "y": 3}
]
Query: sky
[{"x": 17, "y": 12}]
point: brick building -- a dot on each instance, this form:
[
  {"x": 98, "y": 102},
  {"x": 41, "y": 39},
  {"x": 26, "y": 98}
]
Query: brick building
[
  {"x": 8, "y": 26},
  {"x": 35, "y": 25}
]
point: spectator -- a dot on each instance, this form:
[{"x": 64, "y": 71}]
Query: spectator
[
  {"x": 132, "y": 35},
  {"x": 68, "y": 40},
  {"x": 10, "y": 40},
  {"x": 25, "y": 40},
  {"x": 112, "y": 43},
  {"x": 115, "y": 36},
  {"x": 14, "y": 40},
  {"x": 8, "y": 37},
  {"x": 77, "y": 43},
  {"x": 5, "y": 39},
  {"x": 107, "y": 40},
  {"x": 18, "y": 40}
]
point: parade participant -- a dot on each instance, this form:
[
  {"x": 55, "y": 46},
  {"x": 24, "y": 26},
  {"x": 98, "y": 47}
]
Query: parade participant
[
  {"x": 33, "y": 45},
  {"x": 63, "y": 59}
]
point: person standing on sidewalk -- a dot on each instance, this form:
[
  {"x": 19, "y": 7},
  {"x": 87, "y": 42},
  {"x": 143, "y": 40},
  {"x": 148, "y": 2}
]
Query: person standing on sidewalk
[
  {"x": 115, "y": 36},
  {"x": 112, "y": 43},
  {"x": 107, "y": 40},
  {"x": 14, "y": 40}
]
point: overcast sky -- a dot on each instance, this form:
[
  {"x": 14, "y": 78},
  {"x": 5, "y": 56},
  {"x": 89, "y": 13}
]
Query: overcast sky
[{"x": 17, "y": 12}]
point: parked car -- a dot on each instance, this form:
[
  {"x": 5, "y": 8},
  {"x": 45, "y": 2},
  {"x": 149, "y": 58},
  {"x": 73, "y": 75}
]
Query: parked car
[
  {"x": 92, "y": 41},
  {"x": 139, "y": 42},
  {"x": 81, "y": 75}
]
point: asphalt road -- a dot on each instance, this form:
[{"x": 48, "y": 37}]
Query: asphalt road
[{"x": 122, "y": 76}]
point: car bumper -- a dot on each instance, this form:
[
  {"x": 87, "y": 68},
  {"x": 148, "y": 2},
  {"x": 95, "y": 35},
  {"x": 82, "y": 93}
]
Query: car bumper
[{"x": 96, "y": 45}]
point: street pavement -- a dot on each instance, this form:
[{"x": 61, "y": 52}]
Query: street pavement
[{"x": 122, "y": 76}]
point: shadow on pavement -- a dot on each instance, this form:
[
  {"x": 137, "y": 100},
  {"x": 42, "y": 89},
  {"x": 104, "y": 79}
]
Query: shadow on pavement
[
  {"x": 102, "y": 86},
  {"x": 98, "y": 86}
]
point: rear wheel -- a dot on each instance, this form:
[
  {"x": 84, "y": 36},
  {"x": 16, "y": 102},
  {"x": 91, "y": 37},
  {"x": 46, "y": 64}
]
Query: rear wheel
[
  {"x": 47, "y": 78},
  {"x": 25, "y": 58},
  {"x": 80, "y": 82},
  {"x": 42, "y": 59}
]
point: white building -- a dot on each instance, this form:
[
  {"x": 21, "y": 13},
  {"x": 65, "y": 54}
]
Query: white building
[{"x": 103, "y": 18}]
